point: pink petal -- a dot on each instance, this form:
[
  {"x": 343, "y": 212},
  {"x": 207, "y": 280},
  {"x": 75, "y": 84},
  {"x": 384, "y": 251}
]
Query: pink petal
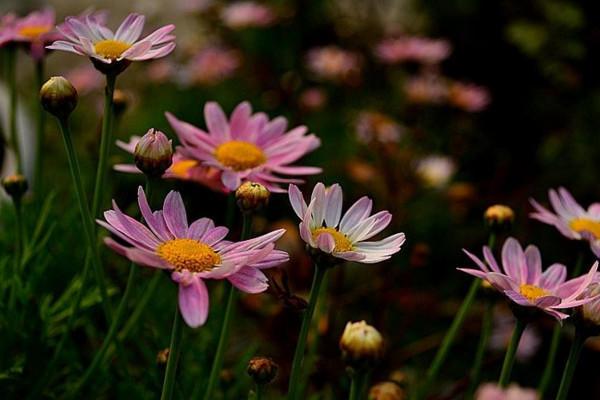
[
  {"x": 249, "y": 280},
  {"x": 193, "y": 302}
]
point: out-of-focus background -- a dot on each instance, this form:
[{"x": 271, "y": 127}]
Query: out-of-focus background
[{"x": 436, "y": 109}]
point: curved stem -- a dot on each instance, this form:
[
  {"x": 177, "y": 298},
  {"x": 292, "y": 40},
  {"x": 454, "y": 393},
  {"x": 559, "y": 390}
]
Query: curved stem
[
  {"x": 511, "y": 351},
  {"x": 306, "y": 322},
  {"x": 486, "y": 329},
  {"x": 169, "y": 382},
  {"x": 105, "y": 144},
  {"x": 39, "y": 147},
  {"x": 567, "y": 378},
  {"x": 549, "y": 368},
  {"x": 86, "y": 216},
  {"x": 11, "y": 77},
  {"x": 19, "y": 247},
  {"x": 141, "y": 306},
  {"x": 258, "y": 394}
]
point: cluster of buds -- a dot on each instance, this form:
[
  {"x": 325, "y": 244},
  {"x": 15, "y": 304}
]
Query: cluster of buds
[
  {"x": 59, "y": 97},
  {"x": 262, "y": 370},
  {"x": 252, "y": 197},
  {"x": 361, "y": 345},
  {"x": 153, "y": 153},
  {"x": 15, "y": 186},
  {"x": 499, "y": 217}
]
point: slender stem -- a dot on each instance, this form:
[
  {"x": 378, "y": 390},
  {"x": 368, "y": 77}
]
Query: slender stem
[
  {"x": 486, "y": 329},
  {"x": 86, "y": 216},
  {"x": 138, "y": 311},
  {"x": 354, "y": 388},
  {"x": 549, "y": 368},
  {"x": 37, "y": 171},
  {"x": 509, "y": 358},
  {"x": 567, "y": 378},
  {"x": 105, "y": 144},
  {"x": 359, "y": 379},
  {"x": 223, "y": 338},
  {"x": 11, "y": 77},
  {"x": 306, "y": 322},
  {"x": 258, "y": 394},
  {"x": 19, "y": 247},
  {"x": 176, "y": 333}
]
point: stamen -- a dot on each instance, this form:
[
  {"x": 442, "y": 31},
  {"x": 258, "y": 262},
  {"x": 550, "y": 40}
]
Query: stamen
[
  {"x": 181, "y": 168},
  {"x": 239, "y": 155},
  {"x": 110, "y": 49},
  {"x": 342, "y": 243},
  {"x": 32, "y": 32},
  {"x": 532, "y": 292},
  {"x": 188, "y": 254},
  {"x": 586, "y": 225}
]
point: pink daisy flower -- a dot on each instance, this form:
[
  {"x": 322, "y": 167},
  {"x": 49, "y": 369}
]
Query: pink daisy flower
[
  {"x": 522, "y": 281},
  {"x": 247, "y": 14},
  {"x": 335, "y": 64},
  {"x": 182, "y": 168},
  {"x": 572, "y": 220},
  {"x": 469, "y": 97},
  {"x": 36, "y": 30},
  {"x": 89, "y": 37},
  {"x": 247, "y": 147},
  {"x": 193, "y": 253},
  {"x": 419, "y": 49},
  {"x": 323, "y": 227}
]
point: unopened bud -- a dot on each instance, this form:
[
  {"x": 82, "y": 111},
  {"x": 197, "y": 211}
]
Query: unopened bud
[
  {"x": 386, "y": 391},
  {"x": 361, "y": 344},
  {"x": 163, "y": 356},
  {"x": 262, "y": 370},
  {"x": 15, "y": 185},
  {"x": 499, "y": 216},
  {"x": 590, "y": 312},
  {"x": 153, "y": 153},
  {"x": 252, "y": 196},
  {"x": 58, "y": 97}
]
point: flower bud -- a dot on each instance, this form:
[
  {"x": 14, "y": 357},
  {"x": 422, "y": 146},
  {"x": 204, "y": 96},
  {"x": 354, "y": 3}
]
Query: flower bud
[
  {"x": 499, "y": 216},
  {"x": 15, "y": 185},
  {"x": 386, "y": 391},
  {"x": 153, "y": 153},
  {"x": 163, "y": 356},
  {"x": 361, "y": 344},
  {"x": 262, "y": 370},
  {"x": 252, "y": 196},
  {"x": 58, "y": 97},
  {"x": 121, "y": 100},
  {"x": 590, "y": 312}
]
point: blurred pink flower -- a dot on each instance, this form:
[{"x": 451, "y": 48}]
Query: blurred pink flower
[
  {"x": 192, "y": 253},
  {"x": 522, "y": 281},
  {"x": 491, "y": 391},
  {"x": 468, "y": 97},
  {"x": 503, "y": 329},
  {"x": 212, "y": 65},
  {"x": 418, "y": 49},
  {"x": 162, "y": 71},
  {"x": 182, "y": 168},
  {"x": 435, "y": 170},
  {"x": 247, "y": 147},
  {"x": 247, "y": 14},
  {"x": 375, "y": 126},
  {"x": 426, "y": 89},
  {"x": 313, "y": 99},
  {"x": 85, "y": 78},
  {"x": 572, "y": 220},
  {"x": 323, "y": 227},
  {"x": 334, "y": 64},
  {"x": 35, "y": 30}
]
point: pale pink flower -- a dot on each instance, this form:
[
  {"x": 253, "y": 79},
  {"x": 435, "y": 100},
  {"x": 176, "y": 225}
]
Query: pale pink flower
[
  {"x": 503, "y": 328},
  {"x": 522, "y": 281},
  {"x": 468, "y": 97},
  {"x": 85, "y": 79},
  {"x": 212, "y": 65},
  {"x": 375, "y": 126},
  {"x": 418, "y": 49},
  {"x": 491, "y": 391},
  {"x": 247, "y": 14},
  {"x": 247, "y": 147},
  {"x": 313, "y": 99},
  {"x": 335, "y": 64},
  {"x": 572, "y": 220},
  {"x": 426, "y": 89},
  {"x": 192, "y": 253},
  {"x": 35, "y": 30},
  {"x": 435, "y": 170},
  {"x": 323, "y": 227}
]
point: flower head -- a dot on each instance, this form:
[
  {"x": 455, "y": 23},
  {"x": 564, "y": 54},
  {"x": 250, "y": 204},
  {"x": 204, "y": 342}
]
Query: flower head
[
  {"x": 262, "y": 370},
  {"x": 361, "y": 344},
  {"x": 111, "y": 52},
  {"x": 572, "y": 220},
  {"x": 213, "y": 64},
  {"x": 388, "y": 390},
  {"x": 590, "y": 312},
  {"x": 435, "y": 170},
  {"x": 372, "y": 126},
  {"x": 499, "y": 216},
  {"x": 153, "y": 153},
  {"x": 247, "y": 147},
  {"x": 522, "y": 281},
  {"x": 251, "y": 197},
  {"x": 418, "y": 49},
  {"x": 15, "y": 185},
  {"x": 491, "y": 391},
  {"x": 324, "y": 228},
  {"x": 35, "y": 30},
  {"x": 58, "y": 96},
  {"x": 469, "y": 97},
  {"x": 247, "y": 14},
  {"x": 193, "y": 253},
  {"x": 332, "y": 63}
]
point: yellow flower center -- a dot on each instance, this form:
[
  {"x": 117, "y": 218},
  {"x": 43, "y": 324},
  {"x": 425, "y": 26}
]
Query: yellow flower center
[
  {"x": 188, "y": 254},
  {"x": 181, "y": 168},
  {"x": 34, "y": 31},
  {"x": 342, "y": 243},
  {"x": 532, "y": 292},
  {"x": 586, "y": 225},
  {"x": 239, "y": 155},
  {"x": 110, "y": 49}
]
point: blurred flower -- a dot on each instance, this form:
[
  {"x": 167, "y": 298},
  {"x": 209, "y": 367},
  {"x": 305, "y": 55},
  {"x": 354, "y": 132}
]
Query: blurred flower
[
  {"x": 386, "y": 391},
  {"x": 435, "y": 170},
  {"x": 85, "y": 79},
  {"x": 499, "y": 216},
  {"x": 182, "y": 168},
  {"x": 313, "y": 99},
  {"x": 491, "y": 391},
  {"x": 361, "y": 344},
  {"x": 468, "y": 97},
  {"x": 112, "y": 52},
  {"x": 572, "y": 220},
  {"x": 153, "y": 153},
  {"x": 503, "y": 330},
  {"x": 162, "y": 71},
  {"x": 212, "y": 65},
  {"x": 247, "y": 147},
  {"x": 426, "y": 89},
  {"x": 194, "y": 5},
  {"x": 192, "y": 253},
  {"x": 15, "y": 185},
  {"x": 522, "y": 281},
  {"x": 334, "y": 64},
  {"x": 375, "y": 126},
  {"x": 418, "y": 49},
  {"x": 262, "y": 370},
  {"x": 36, "y": 30},
  {"x": 322, "y": 229},
  {"x": 247, "y": 14}
]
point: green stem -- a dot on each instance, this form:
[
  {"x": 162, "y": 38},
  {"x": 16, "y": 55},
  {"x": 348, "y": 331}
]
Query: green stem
[
  {"x": 223, "y": 338},
  {"x": 11, "y": 77},
  {"x": 105, "y": 144},
  {"x": 358, "y": 382},
  {"x": 549, "y": 368},
  {"x": 511, "y": 351},
  {"x": 567, "y": 378},
  {"x": 86, "y": 216},
  {"x": 176, "y": 333},
  {"x": 306, "y": 322},
  {"x": 258, "y": 394},
  {"x": 486, "y": 329},
  {"x": 39, "y": 152},
  {"x": 19, "y": 247},
  {"x": 141, "y": 306}
]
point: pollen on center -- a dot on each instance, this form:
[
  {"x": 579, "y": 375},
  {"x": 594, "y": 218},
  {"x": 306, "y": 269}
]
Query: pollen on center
[
  {"x": 188, "y": 254},
  {"x": 34, "y": 31},
  {"x": 532, "y": 292},
  {"x": 586, "y": 225},
  {"x": 342, "y": 243},
  {"x": 110, "y": 49},
  {"x": 239, "y": 155}
]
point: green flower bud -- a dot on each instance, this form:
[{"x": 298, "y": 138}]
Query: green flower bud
[{"x": 58, "y": 97}]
